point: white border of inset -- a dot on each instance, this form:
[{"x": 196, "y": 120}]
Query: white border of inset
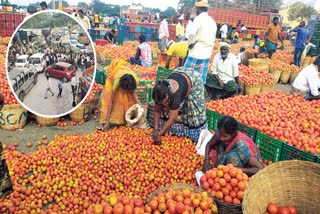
[{"x": 94, "y": 54}]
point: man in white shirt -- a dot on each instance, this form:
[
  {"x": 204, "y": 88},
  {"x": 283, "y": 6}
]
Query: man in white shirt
[
  {"x": 224, "y": 80},
  {"x": 201, "y": 40},
  {"x": 307, "y": 83},
  {"x": 84, "y": 20},
  {"x": 163, "y": 32},
  {"x": 189, "y": 26},
  {"x": 224, "y": 31}
]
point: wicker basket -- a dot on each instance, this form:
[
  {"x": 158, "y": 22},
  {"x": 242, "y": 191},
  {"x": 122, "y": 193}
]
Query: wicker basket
[
  {"x": 95, "y": 101},
  {"x": 18, "y": 116},
  {"x": 177, "y": 186},
  {"x": 259, "y": 64},
  {"x": 252, "y": 89},
  {"x": 227, "y": 208},
  {"x": 284, "y": 78},
  {"x": 44, "y": 121},
  {"x": 276, "y": 76},
  {"x": 286, "y": 183},
  {"x": 266, "y": 88},
  {"x": 82, "y": 113},
  {"x": 293, "y": 76}
]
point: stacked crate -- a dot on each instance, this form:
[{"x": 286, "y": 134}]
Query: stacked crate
[
  {"x": 314, "y": 29},
  {"x": 9, "y": 22}
]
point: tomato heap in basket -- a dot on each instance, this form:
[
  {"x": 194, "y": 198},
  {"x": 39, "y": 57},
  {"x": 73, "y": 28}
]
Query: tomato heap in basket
[
  {"x": 275, "y": 209},
  {"x": 226, "y": 183},
  {"x": 182, "y": 201}
]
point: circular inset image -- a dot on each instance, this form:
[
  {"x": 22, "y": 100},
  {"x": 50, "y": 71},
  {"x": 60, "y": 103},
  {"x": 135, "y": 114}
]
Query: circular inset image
[{"x": 51, "y": 63}]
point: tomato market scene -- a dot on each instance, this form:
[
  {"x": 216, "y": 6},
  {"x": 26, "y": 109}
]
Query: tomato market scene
[{"x": 160, "y": 107}]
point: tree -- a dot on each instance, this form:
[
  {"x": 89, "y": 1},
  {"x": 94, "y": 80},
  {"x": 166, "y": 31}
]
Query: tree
[
  {"x": 103, "y": 8},
  {"x": 64, "y": 4},
  {"x": 169, "y": 12},
  {"x": 156, "y": 10},
  {"x": 83, "y": 5},
  {"x": 300, "y": 11}
]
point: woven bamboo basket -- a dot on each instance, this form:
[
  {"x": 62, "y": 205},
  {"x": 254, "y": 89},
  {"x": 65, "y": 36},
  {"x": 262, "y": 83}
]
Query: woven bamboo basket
[
  {"x": 259, "y": 64},
  {"x": 243, "y": 88},
  {"x": 276, "y": 76},
  {"x": 252, "y": 89},
  {"x": 18, "y": 116},
  {"x": 95, "y": 101},
  {"x": 177, "y": 186},
  {"x": 227, "y": 208},
  {"x": 266, "y": 88},
  {"x": 82, "y": 113},
  {"x": 284, "y": 78},
  {"x": 286, "y": 183},
  {"x": 44, "y": 121},
  {"x": 293, "y": 76}
]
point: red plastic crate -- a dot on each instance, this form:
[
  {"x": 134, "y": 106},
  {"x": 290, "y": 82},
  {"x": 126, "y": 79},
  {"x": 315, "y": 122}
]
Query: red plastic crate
[
  {"x": 101, "y": 42},
  {"x": 17, "y": 23},
  {"x": 10, "y": 24},
  {"x": 3, "y": 32},
  {"x": 18, "y": 17},
  {"x": 9, "y": 32},
  {"x": 2, "y": 17},
  {"x": 2, "y": 24},
  {"x": 9, "y": 17}
]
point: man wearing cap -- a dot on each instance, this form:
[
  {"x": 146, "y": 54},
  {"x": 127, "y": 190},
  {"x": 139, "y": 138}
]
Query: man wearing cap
[
  {"x": 201, "y": 40},
  {"x": 180, "y": 29},
  {"x": 179, "y": 49},
  {"x": 224, "y": 80},
  {"x": 163, "y": 32}
]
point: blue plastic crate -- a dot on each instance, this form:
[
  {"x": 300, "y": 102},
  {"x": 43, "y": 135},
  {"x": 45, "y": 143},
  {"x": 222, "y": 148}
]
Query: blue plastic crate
[
  {"x": 124, "y": 28},
  {"x": 132, "y": 35},
  {"x": 149, "y": 30},
  {"x": 138, "y": 29},
  {"x": 148, "y": 37}
]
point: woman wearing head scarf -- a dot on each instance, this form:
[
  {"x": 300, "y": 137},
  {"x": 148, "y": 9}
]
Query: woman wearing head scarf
[
  {"x": 229, "y": 146},
  {"x": 118, "y": 94},
  {"x": 223, "y": 82}
]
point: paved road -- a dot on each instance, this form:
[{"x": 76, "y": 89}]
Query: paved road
[{"x": 53, "y": 105}]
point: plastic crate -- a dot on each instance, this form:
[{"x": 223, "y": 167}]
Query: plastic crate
[
  {"x": 292, "y": 153},
  {"x": 318, "y": 159},
  {"x": 251, "y": 132},
  {"x": 149, "y": 30},
  {"x": 270, "y": 148},
  {"x": 150, "y": 114},
  {"x": 2, "y": 17},
  {"x": 213, "y": 119},
  {"x": 9, "y": 17},
  {"x": 163, "y": 73},
  {"x": 10, "y": 24},
  {"x": 3, "y": 32},
  {"x": 143, "y": 94},
  {"x": 137, "y": 29},
  {"x": 132, "y": 35},
  {"x": 9, "y": 32}
]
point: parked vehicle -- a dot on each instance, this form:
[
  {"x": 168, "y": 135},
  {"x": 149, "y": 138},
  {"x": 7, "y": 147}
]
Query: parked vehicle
[
  {"x": 22, "y": 61},
  {"x": 74, "y": 38},
  {"x": 61, "y": 70},
  {"x": 39, "y": 61},
  {"x": 22, "y": 80},
  {"x": 73, "y": 44},
  {"x": 83, "y": 48}
]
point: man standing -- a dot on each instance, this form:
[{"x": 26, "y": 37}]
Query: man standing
[
  {"x": 302, "y": 39},
  {"x": 180, "y": 29},
  {"x": 48, "y": 87},
  {"x": 189, "y": 26},
  {"x": 179, "y": 49},
  {"x": 201, "y": 40},
  {"x": 60, "y": 88},
  {"x": 224, "y": 80},
  {"x": 96, "y": 20},
  {"x": 163, "y": 32},
  {"x": 84, "y": 20},
  {"x": 224, "y": 31},
  {"x": 73, "y": 85},
  {"x": 272, "y": 36}
]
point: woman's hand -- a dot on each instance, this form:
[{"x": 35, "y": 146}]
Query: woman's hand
[
  {"x": 206, "y": 165},
  {"x": 156, "y": 137},
  {"x": 106, "y": 126}
]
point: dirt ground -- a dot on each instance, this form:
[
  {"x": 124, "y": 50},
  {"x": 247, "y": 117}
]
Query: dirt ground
[{"x": 32, "y": 133}]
